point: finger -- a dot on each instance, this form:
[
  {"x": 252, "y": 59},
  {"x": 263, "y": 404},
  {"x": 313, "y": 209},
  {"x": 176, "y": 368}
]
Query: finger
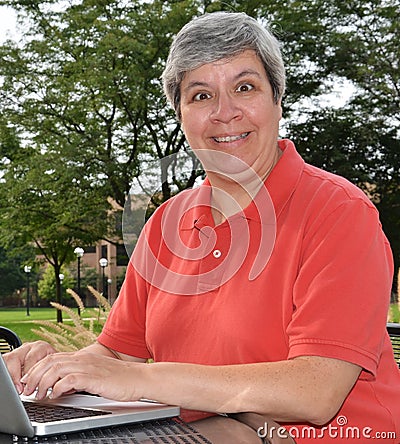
[
  {"x": 71, "y": 383},
  {"x": 14, "y": 363},
  {"x": 23, "y": 358},
  {"x": 36, "y": 353},
  {"x": 49, "y": 365},
  {"x": 44, "y": 375}
]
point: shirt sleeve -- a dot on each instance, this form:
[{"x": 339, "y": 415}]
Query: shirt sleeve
[
  {"x": 342, "y": 292},
  {"x": 125, "y": 328}
]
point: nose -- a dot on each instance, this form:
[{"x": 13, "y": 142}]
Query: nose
[{"x": 225, "y": 109}]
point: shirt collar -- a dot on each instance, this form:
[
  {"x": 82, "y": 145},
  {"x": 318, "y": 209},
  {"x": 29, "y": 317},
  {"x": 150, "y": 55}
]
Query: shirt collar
[
  {"x": 197, "y": 208},
  {"x": 283, "y": 179}
]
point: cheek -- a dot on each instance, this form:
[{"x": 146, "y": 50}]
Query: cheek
[
  {"x": 265, "y": 117},
  {"x": 192, "y": 125}
]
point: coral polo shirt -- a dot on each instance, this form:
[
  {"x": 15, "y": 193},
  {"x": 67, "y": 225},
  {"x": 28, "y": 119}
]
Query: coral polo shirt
[{"x": 304, "y": 270}]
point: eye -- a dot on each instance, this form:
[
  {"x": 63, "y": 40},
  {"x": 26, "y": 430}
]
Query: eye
[
  {"x": 201, "y": 96},
  {"x": 244, "y": 87}
]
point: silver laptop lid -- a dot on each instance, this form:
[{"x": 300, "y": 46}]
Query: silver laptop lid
[{"x": 13, "y": 418}]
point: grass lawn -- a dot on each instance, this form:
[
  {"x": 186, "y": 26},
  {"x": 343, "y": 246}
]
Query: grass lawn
[
  {"x": 394, "y": 313},
  {"x": 17, "y": 320}
]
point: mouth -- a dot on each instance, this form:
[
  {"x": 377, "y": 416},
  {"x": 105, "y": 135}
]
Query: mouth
[{"x": 230, "y": 139}]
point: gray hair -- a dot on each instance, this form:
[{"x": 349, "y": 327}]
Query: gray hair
[{"x": 217, "y": 36}]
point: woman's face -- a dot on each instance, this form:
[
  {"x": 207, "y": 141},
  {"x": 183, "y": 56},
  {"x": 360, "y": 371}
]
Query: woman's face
[{"x": 228, "y": 106}]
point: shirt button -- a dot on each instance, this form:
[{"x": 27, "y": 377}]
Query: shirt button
[{"x": 217, "y": 254}]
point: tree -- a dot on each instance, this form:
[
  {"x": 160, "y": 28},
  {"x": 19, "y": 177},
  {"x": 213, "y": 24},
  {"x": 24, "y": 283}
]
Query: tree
[
  {"x": 358, "y": 45},
  {"x": 47, "y": 287},
  {"x": 47, "y": 208},
  {"x": 12, "y": 276},
  {"x": 80, "y": 111},
  {"x": 87, "y": 84}
]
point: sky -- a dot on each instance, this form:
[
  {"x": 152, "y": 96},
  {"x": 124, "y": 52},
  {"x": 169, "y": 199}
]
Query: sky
[{"x": 7, "y": 23}]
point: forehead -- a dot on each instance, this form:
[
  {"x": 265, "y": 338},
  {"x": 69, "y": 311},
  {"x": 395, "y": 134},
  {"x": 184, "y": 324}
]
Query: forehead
[{"x": 246, "y": 63}]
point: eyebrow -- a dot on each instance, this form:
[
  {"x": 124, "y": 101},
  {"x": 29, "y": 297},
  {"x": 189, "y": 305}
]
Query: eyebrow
[{"x": 245, "y": 73}]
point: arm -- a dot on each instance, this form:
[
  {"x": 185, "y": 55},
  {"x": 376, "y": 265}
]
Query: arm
[
  {"x": 303, "y": 389},
  {"x": 102, "y": 350},
  {"x": 308, "y": 389}
]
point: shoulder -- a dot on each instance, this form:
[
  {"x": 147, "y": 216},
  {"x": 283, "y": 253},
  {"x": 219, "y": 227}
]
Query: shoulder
[
  {"x": 306, "y": 188},
  {"x": 328, "y": 189}
]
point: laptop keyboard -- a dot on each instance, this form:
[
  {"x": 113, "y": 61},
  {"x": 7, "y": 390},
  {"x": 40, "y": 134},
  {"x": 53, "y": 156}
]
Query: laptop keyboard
[{"x": 45, "y": 413}]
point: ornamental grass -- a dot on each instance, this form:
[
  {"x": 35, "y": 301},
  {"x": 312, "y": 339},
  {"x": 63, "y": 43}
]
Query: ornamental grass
[{"x": 77, "y": 331}]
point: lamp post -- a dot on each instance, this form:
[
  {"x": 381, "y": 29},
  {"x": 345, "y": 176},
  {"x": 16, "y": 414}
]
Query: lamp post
[
  {"x": 109, "y": 293},
  {"x": 27, "y": 270},
  {"x": 79, "y": 254},
  {"x": 61, "y": 276},
  {"x": 103, "y": 264}
]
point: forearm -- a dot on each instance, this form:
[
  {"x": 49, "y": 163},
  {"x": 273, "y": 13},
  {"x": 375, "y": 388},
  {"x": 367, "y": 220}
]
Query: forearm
[
  {"x": 306, "y": 389},
  {"x": 102, "y": 350},
  {"x": 296, "y": 390}
]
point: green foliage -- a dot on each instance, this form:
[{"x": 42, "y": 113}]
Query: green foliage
[
  {"x": 90, "y": 90},
  {"x": 89, "y": 114},
  {"x": 47, "y": 284},
  {"x": 12, "y": 275},
  {"x": 359, "y": 46}
]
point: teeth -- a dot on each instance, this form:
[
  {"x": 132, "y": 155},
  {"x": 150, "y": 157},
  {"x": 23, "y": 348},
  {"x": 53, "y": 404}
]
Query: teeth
[{"x": 230, "y": 138}]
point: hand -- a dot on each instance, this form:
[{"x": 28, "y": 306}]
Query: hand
[
  {"x": 22, "y": 359},
  {"x": 83, "y": 371}
]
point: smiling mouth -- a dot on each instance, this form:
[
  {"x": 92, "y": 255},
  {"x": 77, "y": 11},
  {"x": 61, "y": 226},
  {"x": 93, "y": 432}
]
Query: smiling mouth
[{"x": 230, "y": 138}]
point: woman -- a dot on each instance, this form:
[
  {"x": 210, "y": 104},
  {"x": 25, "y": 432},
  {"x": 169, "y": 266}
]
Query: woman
[{"x": 261, "y": 295}]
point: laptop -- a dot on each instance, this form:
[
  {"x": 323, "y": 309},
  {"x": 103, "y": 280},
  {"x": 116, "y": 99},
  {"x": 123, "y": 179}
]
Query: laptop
[{"x": 23, "y": 416}]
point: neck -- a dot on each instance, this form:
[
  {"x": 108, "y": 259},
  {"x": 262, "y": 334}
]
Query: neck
[{"x": 231, "y": 196}]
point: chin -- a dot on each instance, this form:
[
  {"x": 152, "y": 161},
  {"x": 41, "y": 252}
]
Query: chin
[{"x": 221, "y": 162}]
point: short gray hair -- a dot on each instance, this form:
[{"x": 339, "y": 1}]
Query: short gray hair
[{"x": 217, "y": 36}]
